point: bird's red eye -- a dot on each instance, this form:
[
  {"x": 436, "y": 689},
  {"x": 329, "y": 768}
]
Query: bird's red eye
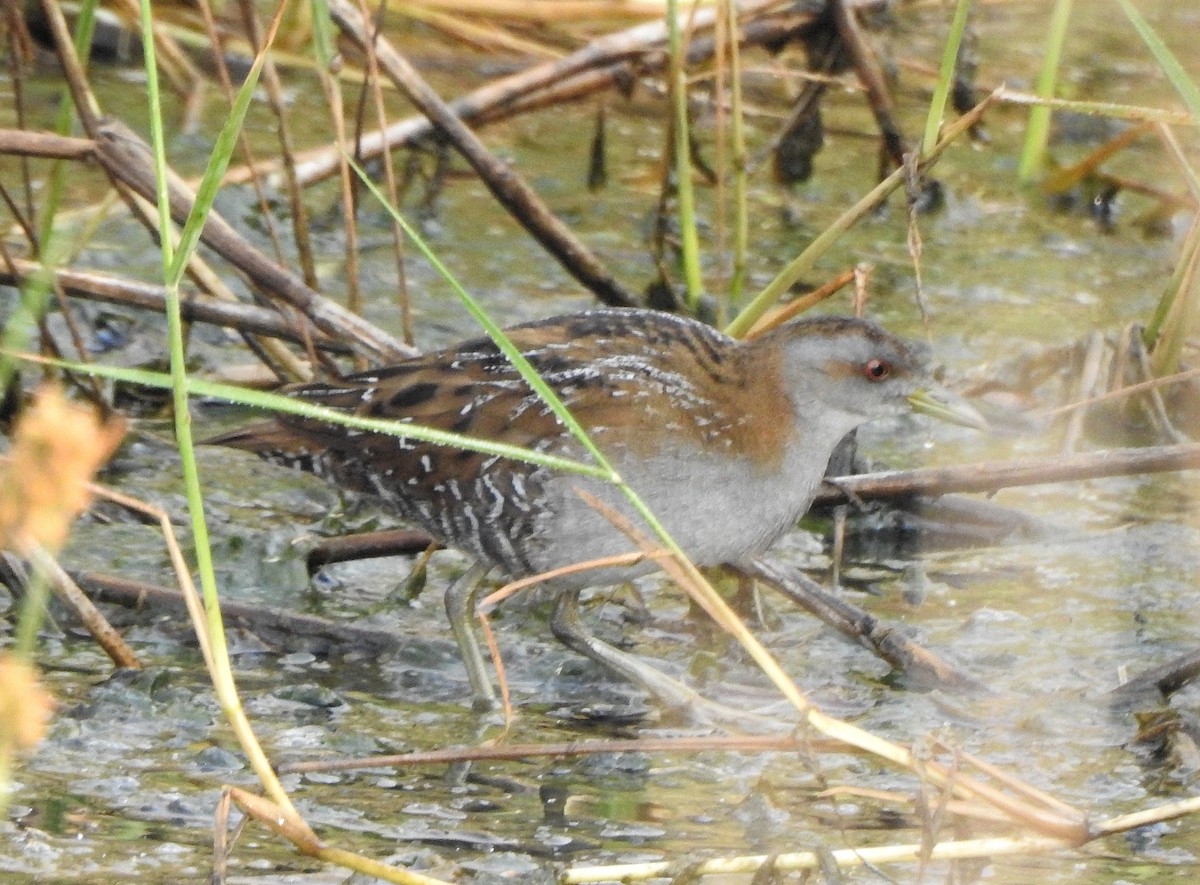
[{"x": 877, "y": 369}]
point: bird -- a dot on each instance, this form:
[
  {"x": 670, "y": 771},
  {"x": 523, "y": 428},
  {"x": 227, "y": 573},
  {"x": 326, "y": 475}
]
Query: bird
[{"x": 725, "y": 440}]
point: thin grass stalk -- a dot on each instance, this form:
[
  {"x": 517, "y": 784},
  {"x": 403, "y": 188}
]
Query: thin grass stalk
[
  {"x": 1099, "y": 108},
  {"x": 324, "y": 47},
  {"x": 161, "y": 185},
  {"x": 941, "y": 90},
  {"x": 375, "y": 83},
  {"x": 1174, "y": 285},
  {"x": 278, "y": 403},
  {"x": 689, "y": 240},
  {"x": 333, "y": 95},
  {"x": 720, "y": 77},
  {"x": 174, "y": 266},
  {"x": 559, "y": 12},
  {"x": 218, "y": 44},
  {"x": 173, "y": 65},
  {"x": 1168, "y": 326},
  {"x": 1179, "y": 318},
  {"x": 1037, "y": 130},
  {"x": 325, "y": 54},
  {"x": 1175, "y": 315},
  {"x": 739, "y": 160},
  {"x": 1174, "y": 71},
  {"x": 19, "y": 54},
  {"x": 85, "y": 27},
  {"x": 273, "y": 87},
  {"x": 1191, "y": 175}
]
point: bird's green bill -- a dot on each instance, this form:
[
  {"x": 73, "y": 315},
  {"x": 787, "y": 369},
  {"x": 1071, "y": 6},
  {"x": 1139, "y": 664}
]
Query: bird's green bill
[{"x": 946, "y": 406}]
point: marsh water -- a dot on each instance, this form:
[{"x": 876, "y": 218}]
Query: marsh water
[{"x": 1101, "y": 578}]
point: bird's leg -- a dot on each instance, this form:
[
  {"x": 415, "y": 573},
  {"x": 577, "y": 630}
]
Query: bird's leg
[
  {"x": 460, "y": 609},
  {"x": 568, "y": 628}
]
